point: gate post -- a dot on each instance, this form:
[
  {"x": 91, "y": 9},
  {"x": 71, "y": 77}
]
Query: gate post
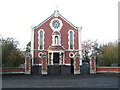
[
  {"x": 93, "y": 64},
  {"x": 77, "y": 63},
  {"x": 27, "y": 64},
  {"x": 44, "y": 64}
]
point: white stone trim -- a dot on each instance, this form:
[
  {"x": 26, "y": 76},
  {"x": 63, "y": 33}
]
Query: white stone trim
[
  {"x": 39, "y": 54},
  {"x": 39, "y": 39},
  {"x": 53, "y": 39},
  {"x": 67, "y": 21},
  {"x": 71, "y": 53},
  {"x": 12, "y": 72},
  {"x": 80, "y": 60},
  {"x": 79, "y": 41},
  {"x": 69, "y": 39},
  {"x": 56, "y": 13},
  {"x": 59, "y": 56},
  {"x": 52, "y": 59},
  {"x": 32, "y": 45},
  {"x": 68, "y": 64},
  {"x": 44, "y": 21},
  {"x": 106, "y": 67},
  {"x": 107, "y": 71},
  {"x": 37, "y": 64},
  {"x": 56, "y": 29},
  {"x": 60, "y": 60}
]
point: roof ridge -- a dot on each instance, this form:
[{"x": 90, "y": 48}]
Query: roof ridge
[
  {"x": 43, "y": 21},
  {"x": 67, "y": 21}
]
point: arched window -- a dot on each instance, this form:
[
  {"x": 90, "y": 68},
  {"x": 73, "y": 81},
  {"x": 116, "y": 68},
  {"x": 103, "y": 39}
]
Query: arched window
[
  {"x": 56, "y": 40},
  {"x": 71, "y": 39},
  {"x": 41, "y": 39}
]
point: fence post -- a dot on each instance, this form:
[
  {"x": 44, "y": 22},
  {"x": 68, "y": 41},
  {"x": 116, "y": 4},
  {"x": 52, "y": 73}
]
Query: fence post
[
  {"x": 44, "y": 64},
  {"x": 27, "y": 64},
  {"x": 93, "y": 64},
  {"x": 77, "y": 63}
]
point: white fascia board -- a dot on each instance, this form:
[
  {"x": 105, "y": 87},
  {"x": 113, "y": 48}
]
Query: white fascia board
[{"x": 67, "y": 21}]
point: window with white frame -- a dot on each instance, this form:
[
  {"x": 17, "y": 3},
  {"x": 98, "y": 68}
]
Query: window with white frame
[
  {"x": 56, "y": 40},
  {"x": 41, "y": 39},
  {"x": 71, "y": 39}
]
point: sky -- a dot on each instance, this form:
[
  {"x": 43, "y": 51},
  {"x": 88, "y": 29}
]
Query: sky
[{"x": 98, "y": 18}]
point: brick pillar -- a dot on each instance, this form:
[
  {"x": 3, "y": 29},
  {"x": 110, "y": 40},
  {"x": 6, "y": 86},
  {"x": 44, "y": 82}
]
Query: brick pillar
[
  {"x": 27, "y": 65},
  {"x": 44, "y": 64},
  {"x": 93, "y": 65},
  {"x": 77, "y": 64}
]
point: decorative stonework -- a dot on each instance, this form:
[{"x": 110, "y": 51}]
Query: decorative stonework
[
  {"x": 77, "y": 64},
  {"x": 27, "y": 65},
  {"x": 93, "y": 65},
  {"x": 71, "y": 55},
  {"x": 69, "y": 39},
  {"x": 40, "y": 54},
  {"x": 56, "y": 41},
  {"x": 56, "y": 24},
  {"x": 44, "y": 64},
  {"x": 39, "y": 39}
]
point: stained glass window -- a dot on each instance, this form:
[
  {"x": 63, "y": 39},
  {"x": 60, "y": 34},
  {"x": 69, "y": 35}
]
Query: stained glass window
[
  {"x": 41, "y": 40},
  {"x": 71, "y": 40}
]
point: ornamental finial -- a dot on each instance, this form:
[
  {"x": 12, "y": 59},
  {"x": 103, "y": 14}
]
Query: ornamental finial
[
  {"x": 79, "y": 28},
  {"x": 56, "y": 12}
]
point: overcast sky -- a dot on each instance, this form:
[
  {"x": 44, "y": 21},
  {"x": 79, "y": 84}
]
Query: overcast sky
[{"x": 98, "y": 18}]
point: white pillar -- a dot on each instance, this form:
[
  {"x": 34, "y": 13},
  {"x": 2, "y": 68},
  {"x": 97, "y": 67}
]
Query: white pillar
[
  {"x": 32, "y": 44},
  {"x": 80, "y": 44},
  {"x": 52, "y": 59}
]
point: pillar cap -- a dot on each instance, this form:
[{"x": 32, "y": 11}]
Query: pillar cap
[{"x": 79, "y": 28}]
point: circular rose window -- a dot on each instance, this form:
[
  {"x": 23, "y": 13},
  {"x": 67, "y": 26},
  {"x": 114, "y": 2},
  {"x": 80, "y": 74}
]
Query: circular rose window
[{"x": 56, "y": 24}]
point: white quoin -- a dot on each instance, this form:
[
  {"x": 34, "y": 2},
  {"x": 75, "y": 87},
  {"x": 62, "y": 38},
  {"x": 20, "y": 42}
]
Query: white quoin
[
  {"x": 32, "y": 43},
  {"x": 80, "y": 44}
]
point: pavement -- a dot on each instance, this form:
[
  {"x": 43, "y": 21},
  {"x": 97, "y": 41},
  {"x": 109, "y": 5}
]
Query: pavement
[{"x": 40, "y": 81}]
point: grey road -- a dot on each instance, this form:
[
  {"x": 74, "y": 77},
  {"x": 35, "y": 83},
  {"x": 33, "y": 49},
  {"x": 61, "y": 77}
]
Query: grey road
[{"x": 38, "y": 81}]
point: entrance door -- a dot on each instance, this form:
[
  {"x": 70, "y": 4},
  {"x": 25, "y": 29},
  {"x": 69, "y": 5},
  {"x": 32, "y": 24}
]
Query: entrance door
[
  {"x": 72, "y": 67},
  {"x": 55, "y": 58}
]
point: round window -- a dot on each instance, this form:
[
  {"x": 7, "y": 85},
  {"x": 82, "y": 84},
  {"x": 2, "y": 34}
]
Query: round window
[
  {"x": 40, "y": 54},
  {"x": 56, "y": 24},
  {"x": 71, "y": 55}
]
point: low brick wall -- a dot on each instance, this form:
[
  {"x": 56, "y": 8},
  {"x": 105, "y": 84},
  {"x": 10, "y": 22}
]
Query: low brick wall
[
  {"x": 12, "y": 70},
  {"x": 108, "y": 69},
  {"x": 17, "y": 70}
]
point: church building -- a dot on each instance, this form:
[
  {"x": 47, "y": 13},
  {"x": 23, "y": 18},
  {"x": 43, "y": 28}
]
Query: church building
[{"x": 59, "y": 39}]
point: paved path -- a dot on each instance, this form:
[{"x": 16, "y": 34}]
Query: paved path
[{"x": 37, "y": 81}]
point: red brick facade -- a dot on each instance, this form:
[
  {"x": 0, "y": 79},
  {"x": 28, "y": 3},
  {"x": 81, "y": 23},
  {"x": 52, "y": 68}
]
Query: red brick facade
[{"x": 45, "y": 25}]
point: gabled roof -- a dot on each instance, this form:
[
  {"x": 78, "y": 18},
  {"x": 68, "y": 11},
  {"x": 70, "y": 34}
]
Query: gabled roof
[
  {"x": 54, "y": 15},
  {"x": 67, "y": 21},
  {"x": 43, "y": 21}
]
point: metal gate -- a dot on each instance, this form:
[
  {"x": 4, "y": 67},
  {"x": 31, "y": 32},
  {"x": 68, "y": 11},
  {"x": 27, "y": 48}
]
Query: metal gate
[{"x": 85, "y": 68}]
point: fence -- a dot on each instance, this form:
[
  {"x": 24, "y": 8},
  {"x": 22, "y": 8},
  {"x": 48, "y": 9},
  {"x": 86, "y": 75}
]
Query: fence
[
  {"x": 93, "y": 68},
  {"x": 108, "y": 69},
  {"x": 24, "y": 70},
  {"x": 102, "y": 69}
]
